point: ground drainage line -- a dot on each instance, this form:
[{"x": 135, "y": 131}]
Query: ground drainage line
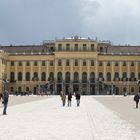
[{"x": 91, "y": 122}]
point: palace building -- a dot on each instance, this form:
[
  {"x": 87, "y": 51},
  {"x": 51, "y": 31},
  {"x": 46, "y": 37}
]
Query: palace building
[{"x": 71, "y": 64}]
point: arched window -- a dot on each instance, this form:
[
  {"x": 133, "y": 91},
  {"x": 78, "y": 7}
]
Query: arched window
[
  {"x": 100, "y": 76},
  {"x": 84, "y": 76},
  {"x": 43, "y": 76},
  {"x": 27, "y": 76},
  {"x": 124, "y": 89},
  {"x": 59, "y": 76},
  {"x": 108, "y": 76},
  {"x": 132, "y": 75},
  {"x": 12, "y": 89},
  {"x": 27, "y": 88},
  {"x": 12, "y": 77},
  {"x": 92, "y": 76},
  {"x": 116, "y": 75},
  {"x": 76, "y": 76},
  {"x": 35, "y": 78},
  {"x": 67, "y": 76},
  {"x": 124, "y": 75},
  {"x": 132, "y": 89},
  {"x": 19, "y": 76},
  {"x": 51, "y": 77}
]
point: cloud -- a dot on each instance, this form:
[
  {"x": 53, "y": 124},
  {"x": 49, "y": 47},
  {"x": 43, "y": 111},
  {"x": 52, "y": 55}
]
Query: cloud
[{"x": 32, "y": 21}]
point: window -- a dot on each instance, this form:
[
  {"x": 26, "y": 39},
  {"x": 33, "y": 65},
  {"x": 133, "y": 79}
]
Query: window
[
  {"x": 59, "y": 47},
  {"x": 132, "y": 89},
  {"x": 84, "y": 47},
  {"x": 19, "y": 89},
  {"x": 132, "y": 75},
  {"x": 132, "y": 64},
  {"x": 84, "y": 76},
  {"x": 12, "y": 63},
  {"x": 76, "y": 76},
  {"x": 20, "y": 64},
  {"x": 108, "y": 76},
  {"x": 92, "y": 76},
  {"x": 27, "y": 63},
  {"x": 100, "y": 63},
  {"x": 76, "y": 47},
  {"x": 101, "y": 49},
  {"x": 51, "y": 63},
  {"x": 116, "y": 64},
  {"x": 12, "y": 89},
  {"x": 67, "y": 62},
  {"x": 116, "y": 75},
  {"x": 92, "y": 47},
  {"x": 59, "y": 76},
  {"x": 43, "y": 63},
  {"x": 124, "y": 89},
  {"x": 108, "y": 63},
  {"x": 124, "y": 75},
  {"x": 35, "y": 63},
  {"x": 67, "y": 76},
  {"x": 59, "y": 62},
  {"x": 51, "y": 77},
  {"x": 92, "y": 63},
  {"x": 35, "y": 77},
  {"x": 124, "y": 63},
  {"x": 27, "y": 76},
  {"x": 27, "y": 88},
  {"x": 43, "y": 76},
  {"x": 76, "y": 62},
  {"x": 19, "y": 76},
  {"x": 67, "y": 47},
  {"x": 84, "y": 62},
  {"x": 12, "y": 76}
]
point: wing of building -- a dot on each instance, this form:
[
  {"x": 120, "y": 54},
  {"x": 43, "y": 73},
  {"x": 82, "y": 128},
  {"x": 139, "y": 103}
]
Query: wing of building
[{"x": 71, "y": 64}]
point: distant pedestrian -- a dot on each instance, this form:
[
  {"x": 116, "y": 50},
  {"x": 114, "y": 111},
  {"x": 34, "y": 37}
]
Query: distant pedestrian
[
  {"x": 5, "y": 98},
  {"x": 63, "y": 98},
  {"x": 69, "y": 99},
  {"x": 77, "y": 96},
  {"x": 136, "y": 99}
]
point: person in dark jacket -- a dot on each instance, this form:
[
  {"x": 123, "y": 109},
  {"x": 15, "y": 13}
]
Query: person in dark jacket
[
  {"x": 136, "y": 99},
  {"x": 77, "y": 96},
  {"x": 69, "y": 99},
  {"x": 5, "y": 98}
]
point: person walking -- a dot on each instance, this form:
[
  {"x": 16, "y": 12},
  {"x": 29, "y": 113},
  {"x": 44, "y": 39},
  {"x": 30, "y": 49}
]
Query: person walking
[
  {"x": 136, "y": 99},
  {"x": 77, "y": 96},
  {"x": 63, "y": 98},
  {"x": 69, "y": 99},
  {"x": 5, "y": 98}
]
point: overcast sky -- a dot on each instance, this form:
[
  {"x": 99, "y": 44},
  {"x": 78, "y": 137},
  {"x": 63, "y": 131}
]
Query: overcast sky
[{"x": 32, "y": 21}]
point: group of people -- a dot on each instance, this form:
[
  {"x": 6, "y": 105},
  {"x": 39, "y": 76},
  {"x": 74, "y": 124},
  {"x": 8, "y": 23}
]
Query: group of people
[
  {"x": 69, "y": 98},
  {"x": 4, "y": 100}
]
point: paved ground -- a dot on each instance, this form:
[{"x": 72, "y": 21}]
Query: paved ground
[
  {"x": 14, "y": 100},
  {"x": 124, "y": 107},
  {"x": 97, "y": 118}
]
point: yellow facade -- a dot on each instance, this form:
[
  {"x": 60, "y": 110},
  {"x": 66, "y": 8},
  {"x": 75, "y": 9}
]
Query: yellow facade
[{"x": 73, "y": 65}]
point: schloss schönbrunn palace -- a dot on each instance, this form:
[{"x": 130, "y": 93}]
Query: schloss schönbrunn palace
[{"x": 71, "y": 64}]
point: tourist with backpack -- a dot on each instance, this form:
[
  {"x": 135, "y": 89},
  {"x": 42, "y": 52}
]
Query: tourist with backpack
[{"x": 5, "y": 97}]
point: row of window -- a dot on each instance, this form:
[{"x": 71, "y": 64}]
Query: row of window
[
  {"x": 67, "y": 76},
  {"x": 84, "y": 63},
  {"x": 76, "y": 48}
]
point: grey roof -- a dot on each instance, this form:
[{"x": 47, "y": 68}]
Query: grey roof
[{"x": 123, "y": 49}]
